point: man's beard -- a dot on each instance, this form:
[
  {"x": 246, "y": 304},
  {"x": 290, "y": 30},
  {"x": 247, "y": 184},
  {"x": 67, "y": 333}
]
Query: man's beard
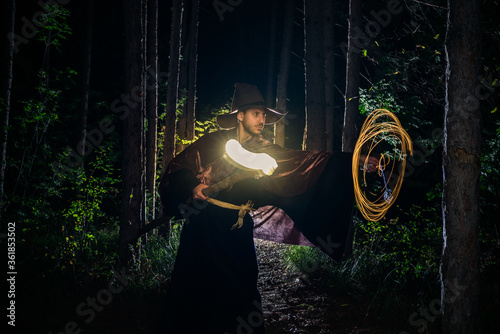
[{"x": 255, "y": 130}]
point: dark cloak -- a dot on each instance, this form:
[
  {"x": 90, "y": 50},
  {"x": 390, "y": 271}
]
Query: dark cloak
[
  {"x": 297, "y": 172},
  {"x": 307, "y": 201}
]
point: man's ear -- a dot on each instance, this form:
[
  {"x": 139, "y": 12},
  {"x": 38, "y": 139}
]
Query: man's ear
[{"x": 239, "y": 115}]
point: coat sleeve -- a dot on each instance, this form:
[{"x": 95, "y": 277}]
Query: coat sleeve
[
  {"x": 177, "y": 188},
  {"x": 297, "y": 170},
  {"x": 188, "y": 169}
]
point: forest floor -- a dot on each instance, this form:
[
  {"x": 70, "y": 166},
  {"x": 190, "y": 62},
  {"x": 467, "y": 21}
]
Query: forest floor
[
  {"x": 292, "y": 303},
  {"x": 296, "y": 303}
]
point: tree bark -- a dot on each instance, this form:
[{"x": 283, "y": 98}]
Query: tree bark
[
  {"x": 187, "y": 73},
  {"x": 281, "y": 91},
  {"x": 353, "y": 64},
  {"x": 173, "y": 83},
  {"x": 193, "y": 70},
  {"x": 7, "y": 106},
  {"x": 351, "y": 104},
  {"x": 84, "y": 109},
  {"x": 461, "y": 171},
  {"x": 329, "y": 72},
  {"x": 314, "y": 63},
  {"x": 270, "y": 100},
  {"x": 152, "y": 101},
  {"x": 183, "y": 77},
  {"x": 132, "y": 216}
]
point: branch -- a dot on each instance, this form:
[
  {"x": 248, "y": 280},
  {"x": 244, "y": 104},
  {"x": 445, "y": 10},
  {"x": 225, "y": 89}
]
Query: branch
[
  {"x": 154, "y": 224},
  {"x": 430, "y": 4}
]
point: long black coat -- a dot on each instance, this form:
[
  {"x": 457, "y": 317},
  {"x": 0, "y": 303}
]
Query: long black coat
[{"x": 308, "y": 200}]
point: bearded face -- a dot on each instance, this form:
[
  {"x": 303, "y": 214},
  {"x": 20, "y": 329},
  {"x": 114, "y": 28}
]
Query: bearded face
[{"x": 252, "y": 121}]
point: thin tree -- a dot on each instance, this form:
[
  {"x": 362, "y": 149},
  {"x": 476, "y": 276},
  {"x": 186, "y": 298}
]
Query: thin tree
[
  {"x": 183, "y": 78},
  {"x": 193, "y": 70},
  {"x": 329, "y": 72},
  {"x": 314, "y": 63},
  {"x": 281, "y": 91},
  {"x": 84, "y": 109},
  {"x": 353, "y": 64},
  {"x": 133, "y": 174},
  {"x": 152, "y": 100},
  {"x": 187, "y": 73},
  {"x": 351, "y": 102},
  {"x": 460, "y": 264},
  {"x": 7, "y": 105},
  {"x": 270, "y": 101},
  {"x": 144, "y": 77},
  {"x": 173, "y": 83}
]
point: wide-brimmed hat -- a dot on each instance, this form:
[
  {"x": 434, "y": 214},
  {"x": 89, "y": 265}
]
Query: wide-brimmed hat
[{"x": 247, "y": 96}]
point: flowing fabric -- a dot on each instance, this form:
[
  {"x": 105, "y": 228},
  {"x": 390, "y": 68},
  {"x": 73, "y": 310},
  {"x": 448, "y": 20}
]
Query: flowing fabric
[
  {"x": 204, "y": 162},
  {"x": 307, "y": 201}
]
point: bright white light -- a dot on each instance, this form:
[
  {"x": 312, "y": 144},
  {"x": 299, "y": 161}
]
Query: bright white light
[{"x": 259, "y": 161}]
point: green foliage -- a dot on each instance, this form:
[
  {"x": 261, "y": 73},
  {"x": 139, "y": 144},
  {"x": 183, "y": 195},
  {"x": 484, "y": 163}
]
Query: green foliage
[
  {"x": 41, "y": 112},
  {"x": 32, "y": 147},
  {"x": 76, "y": 215},
  {"x": 54, "y": 26},
  {"x": 398, "y": 252},
  {"x": 155, "y": 262},
  {"x": 393, "y": 270},
  {"x": 490, "y": 169},
  {"x": 209, "y": 122},
  {"x": 60, "y": 261},
  {"x": 202, "y": 127},
  {"x": 384, "y": 95},
  {"x": 406, "y": 248},
  {"x": 490, "y": 199},
  {"x": 71, "y": 211},
  {"x": 379, "y": 96},
  {"x": 306, "y": 259}
]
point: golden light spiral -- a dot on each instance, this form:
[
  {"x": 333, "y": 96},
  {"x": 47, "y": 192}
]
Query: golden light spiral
[{"x": 380, "y": 126}]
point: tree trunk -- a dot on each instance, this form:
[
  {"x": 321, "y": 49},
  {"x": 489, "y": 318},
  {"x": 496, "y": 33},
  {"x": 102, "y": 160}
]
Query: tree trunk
[
  {"x": 7, "y": 106},
  {"x": 329, "y": 72},
  {"x": 152, "y": 101},
  {"x": 270, "y": 100},
  {"x": 351, "y": 105},
  {"x": 173, "y": 83},
  {"x": 353, "y": 63},
  {"x": 84, "y": 109},
  {"x": 187, "y": 73},
  {"x": 461, "y": 170},
  {"x": 314, "y": 63},
  {"x": 183, "y": 77},
  {"x": 281, "y": 92},
  {"x": 132, "y": 216},
  {"x": 193, "y": 70}
]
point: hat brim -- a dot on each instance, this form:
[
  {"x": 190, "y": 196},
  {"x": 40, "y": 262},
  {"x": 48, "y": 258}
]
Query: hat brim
[{"x": 228, "y": 121}]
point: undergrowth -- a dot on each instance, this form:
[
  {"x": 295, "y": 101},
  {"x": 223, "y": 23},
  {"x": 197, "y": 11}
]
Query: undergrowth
[
  {"x": 155, "y": 259},
  {"x": 394, "y": 267}
]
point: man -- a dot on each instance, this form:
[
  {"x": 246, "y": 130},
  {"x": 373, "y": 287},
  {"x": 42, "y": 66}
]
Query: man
[{"x": 308, "y": 200}]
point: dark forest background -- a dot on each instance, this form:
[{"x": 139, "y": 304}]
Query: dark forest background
[{"x": 68, "y": 200}]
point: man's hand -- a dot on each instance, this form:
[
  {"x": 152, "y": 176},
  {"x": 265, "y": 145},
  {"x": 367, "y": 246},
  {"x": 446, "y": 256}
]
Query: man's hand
[
  {"x": 197, "y": 192},
  {"x": 372, "y": 163}
]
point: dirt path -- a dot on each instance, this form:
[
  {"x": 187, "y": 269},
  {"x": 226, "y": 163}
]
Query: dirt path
[
  {"x": 292, "y": 303},
  {"x": 295, "y": 303}
]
